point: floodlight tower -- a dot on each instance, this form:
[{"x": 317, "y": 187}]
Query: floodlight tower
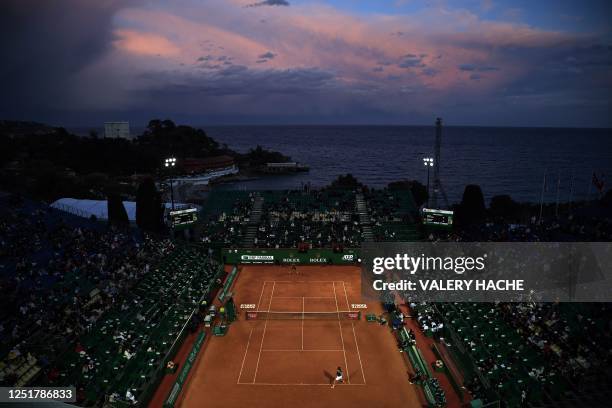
[
  {"x": 169, "y": 163},
  {"x": 438, "y": 190},
  {"x": 428, "y": 162}
]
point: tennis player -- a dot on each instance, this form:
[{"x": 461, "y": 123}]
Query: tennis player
[{"x": 339, "y": 377}]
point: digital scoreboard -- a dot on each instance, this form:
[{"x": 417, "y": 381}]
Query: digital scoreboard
[
  {"x": 437, "y": 218},
  {"x": 183, "y": 218}
]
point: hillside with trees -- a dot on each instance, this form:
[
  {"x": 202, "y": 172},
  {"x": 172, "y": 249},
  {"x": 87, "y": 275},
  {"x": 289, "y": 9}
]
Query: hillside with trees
[{"x": 47, "y": 163}]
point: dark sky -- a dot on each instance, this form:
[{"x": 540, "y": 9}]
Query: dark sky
[{"x": 519, "y": 63}]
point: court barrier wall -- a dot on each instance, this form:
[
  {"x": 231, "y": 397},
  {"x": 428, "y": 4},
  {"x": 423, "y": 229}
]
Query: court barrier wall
[
  {"x": 228, "y": 284},
  {"x": 447, "y": 371},
  {"x": 184, "y": 373},
  {"x": 291, "y": 256},
  {"x": 419, "y": 364}
]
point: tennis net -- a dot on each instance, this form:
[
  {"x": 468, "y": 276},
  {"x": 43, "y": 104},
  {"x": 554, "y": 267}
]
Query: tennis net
[{"x": 265, "y": 315}]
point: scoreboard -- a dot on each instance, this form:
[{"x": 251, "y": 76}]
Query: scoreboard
[
  {"x": 183, "y": 218},
  {"x": 437, "y": 218}
]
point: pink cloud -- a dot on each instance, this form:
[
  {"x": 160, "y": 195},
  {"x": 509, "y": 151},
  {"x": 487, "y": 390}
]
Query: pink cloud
[
  {"x": 141, "y": 43},
  {"x": 350, "y": 47}
]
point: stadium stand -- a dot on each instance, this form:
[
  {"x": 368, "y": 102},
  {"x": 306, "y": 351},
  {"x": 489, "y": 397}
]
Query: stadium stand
[
  {"x": 226, "y": 215},
  {"x": 392, "y": 215},
  {"x": 92, "y": 306},
  {"x": 128, "y": 347},
  {"x": 105, "y": 309},
  {"x": 519, "y": 353},
  {"x": 318, "y": 218}
]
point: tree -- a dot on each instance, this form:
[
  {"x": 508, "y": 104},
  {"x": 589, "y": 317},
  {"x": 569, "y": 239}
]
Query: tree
[
  {"x": 607, "y": 199},
  {"x": 418, "y": 190},
  {"x": 165, "y": 139},
  {"x": 503, "y": 206},
  {"x": 346, "y": 181},
  {"x": 472, "y": 208},
  {"x": 419, "y": 193},
  {"x": 154, "y": 125},
  {"x": 260, "y": 156},
  {"x": 149, "y": 210},
  {"x": 168, "y": 124},
  {"x": 116, "y": 211}
]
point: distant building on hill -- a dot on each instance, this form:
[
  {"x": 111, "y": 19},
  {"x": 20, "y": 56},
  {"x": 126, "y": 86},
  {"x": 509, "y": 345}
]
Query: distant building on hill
[
  {"x": 196, "y": 165},
  {"x": 117, "y": 130}
]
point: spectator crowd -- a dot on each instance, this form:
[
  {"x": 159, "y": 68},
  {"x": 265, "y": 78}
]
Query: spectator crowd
[
  {"x": 319, "y": 218},
  {"x": 60, "y": 279}
]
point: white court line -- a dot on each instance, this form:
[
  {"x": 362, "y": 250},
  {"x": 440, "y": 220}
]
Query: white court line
[
  {"x": 279, "y": 350},
  {"x": 244, "y": 358},
  {"x": 341, "y": 336},
  {"x": 358, "y": 353},
  {"x": 301, "y": 384},
  {"x": 348, "y": 307},
  {"x": 261, "y": 294},
  {"x": 355, "y": 336},
  {"x": 263, "y": 336}
]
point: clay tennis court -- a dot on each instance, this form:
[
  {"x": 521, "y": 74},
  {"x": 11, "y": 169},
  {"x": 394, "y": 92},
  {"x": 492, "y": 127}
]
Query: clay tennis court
[{"x": 299, "y": 329}]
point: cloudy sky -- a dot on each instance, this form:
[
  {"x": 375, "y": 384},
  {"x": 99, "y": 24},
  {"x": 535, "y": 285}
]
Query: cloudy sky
[{"x": 480, "y": 62}]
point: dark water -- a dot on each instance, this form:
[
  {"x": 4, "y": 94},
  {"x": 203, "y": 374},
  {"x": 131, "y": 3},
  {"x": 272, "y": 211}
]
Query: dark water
[{"x": 501, "y": 160}]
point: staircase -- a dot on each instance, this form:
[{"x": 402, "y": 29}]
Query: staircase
[
  {"x": 364, "y": 218},
  {"x": 255, "y": 217}
]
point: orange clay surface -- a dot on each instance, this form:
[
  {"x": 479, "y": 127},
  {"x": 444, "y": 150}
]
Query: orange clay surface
[{"x": 291, "y": 363}]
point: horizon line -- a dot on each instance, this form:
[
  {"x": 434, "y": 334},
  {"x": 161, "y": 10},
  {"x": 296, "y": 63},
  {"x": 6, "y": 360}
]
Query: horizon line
[{"x": 203, "y": 126}]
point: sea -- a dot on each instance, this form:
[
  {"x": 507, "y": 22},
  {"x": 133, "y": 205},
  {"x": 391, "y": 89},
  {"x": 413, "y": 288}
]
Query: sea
[{"x": 526, "y": 163}]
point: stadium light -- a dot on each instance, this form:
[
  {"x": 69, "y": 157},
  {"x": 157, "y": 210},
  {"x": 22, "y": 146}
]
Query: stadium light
[{"x": 428, "y": 162}]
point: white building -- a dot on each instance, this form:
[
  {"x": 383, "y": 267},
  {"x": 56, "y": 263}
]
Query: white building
[{"x": 117, "y": 130}]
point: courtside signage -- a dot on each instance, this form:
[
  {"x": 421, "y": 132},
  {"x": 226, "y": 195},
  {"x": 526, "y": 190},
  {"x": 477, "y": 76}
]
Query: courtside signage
[
  {"x": 247, "y": 306},
  {"x": 257, "y": 258},
  {"x": 290, "y": 257}
]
